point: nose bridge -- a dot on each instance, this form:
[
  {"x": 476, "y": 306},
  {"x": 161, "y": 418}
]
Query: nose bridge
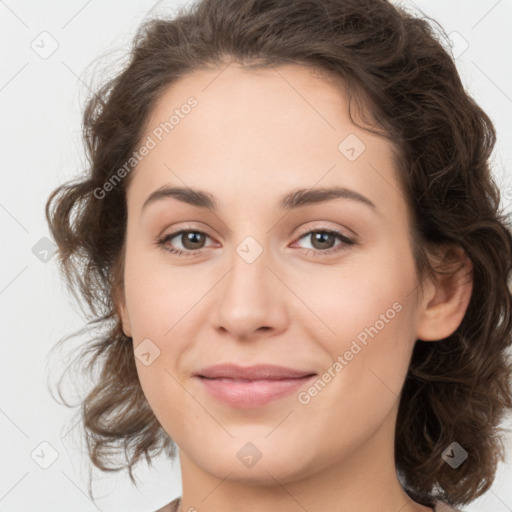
[
  {"x": 249, "y": 298},
  {"x": 248, "y": 280}
]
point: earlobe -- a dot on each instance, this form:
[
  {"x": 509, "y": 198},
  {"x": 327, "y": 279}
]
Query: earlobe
[{"x": 446, "y": 302}]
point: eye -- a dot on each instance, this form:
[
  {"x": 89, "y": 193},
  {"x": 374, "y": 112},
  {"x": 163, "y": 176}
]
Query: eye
[
  {"x": 193, "y": 241},
  {"x": 322, "y": 239}
]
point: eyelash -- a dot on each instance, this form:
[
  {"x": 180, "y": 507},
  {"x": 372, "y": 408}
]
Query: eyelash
[{"x": 317, "y": 252}]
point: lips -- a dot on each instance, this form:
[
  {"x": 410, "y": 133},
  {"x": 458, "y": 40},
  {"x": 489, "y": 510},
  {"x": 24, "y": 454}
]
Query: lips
[
  {"x": 250, "y": 373},
  {"x": 253, "y": 386}
]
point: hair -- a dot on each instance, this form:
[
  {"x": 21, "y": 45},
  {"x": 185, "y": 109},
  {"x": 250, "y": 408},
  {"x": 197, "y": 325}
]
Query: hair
[{"x": 394, "y": 63}]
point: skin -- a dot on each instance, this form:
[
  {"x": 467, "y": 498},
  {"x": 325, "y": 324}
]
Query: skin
[{"x": 255, "y": 136}]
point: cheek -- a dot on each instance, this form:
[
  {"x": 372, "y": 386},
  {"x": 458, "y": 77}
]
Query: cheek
[
  {"x": 158, "y": 296},
  {"x": 160, "y": 385},
  {"x": 375, "y": 289},
  {"x": 369, "y": 362},
  {"x": 368, "y": 317}
]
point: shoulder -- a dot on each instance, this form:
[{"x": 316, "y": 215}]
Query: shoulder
[
  {"x": 173, "y": 506},
  {"x": 440, "y": 506}
]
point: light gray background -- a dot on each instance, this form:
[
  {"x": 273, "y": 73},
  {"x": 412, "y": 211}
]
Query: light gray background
[{"x": 41, "y": 97}]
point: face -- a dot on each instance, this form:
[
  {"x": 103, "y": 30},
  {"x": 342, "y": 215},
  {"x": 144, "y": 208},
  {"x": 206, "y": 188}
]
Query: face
[{"x": 326, "y": 287}]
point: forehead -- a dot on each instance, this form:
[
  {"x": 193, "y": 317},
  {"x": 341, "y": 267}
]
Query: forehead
[
  {"x": 290, "y": 101},
  {"x": 287, "y": 126}
]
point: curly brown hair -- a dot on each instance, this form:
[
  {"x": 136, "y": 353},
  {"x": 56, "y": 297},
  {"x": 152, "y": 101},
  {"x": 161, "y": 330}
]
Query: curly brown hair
[{"x": 393, "y": 62}]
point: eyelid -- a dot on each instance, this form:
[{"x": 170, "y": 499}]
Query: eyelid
[
  {"x": 304, "y": 231},
  {"x": 347, "y": 241},
  {"x": 324, "y": 227}
]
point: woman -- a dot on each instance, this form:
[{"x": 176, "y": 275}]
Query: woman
[{"x": 290, "y": 232}]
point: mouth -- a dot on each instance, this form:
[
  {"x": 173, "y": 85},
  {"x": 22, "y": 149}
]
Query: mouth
[
  {"x": 251, "y": 393},
  {"x": 252, "y": 373},
  {"x": 229, "y": 379}
]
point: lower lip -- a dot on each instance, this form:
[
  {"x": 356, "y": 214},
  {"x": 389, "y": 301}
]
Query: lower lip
[{"x": 250, "y": 394}]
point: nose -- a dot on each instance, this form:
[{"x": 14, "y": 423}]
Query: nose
[{"x": 250, "y": 299}]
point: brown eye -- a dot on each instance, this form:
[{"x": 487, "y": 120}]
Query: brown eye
[
  {"x": 191, "y": 240},
  {"x": 323, "y": 240}
]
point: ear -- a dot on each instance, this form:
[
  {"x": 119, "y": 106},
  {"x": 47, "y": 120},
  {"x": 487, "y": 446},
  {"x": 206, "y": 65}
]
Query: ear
[
  {"x": 445, "y": 301},
  {"x": 125, "y": 319},
  {"x": 120, "y": 306},
  {"x": 118, "y": 295}
]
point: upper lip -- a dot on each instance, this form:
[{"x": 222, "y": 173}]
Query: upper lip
[{"x": 255, "y": 372}]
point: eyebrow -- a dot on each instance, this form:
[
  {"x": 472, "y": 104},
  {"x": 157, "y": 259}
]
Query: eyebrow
[{"x": 292, "y": 200}]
